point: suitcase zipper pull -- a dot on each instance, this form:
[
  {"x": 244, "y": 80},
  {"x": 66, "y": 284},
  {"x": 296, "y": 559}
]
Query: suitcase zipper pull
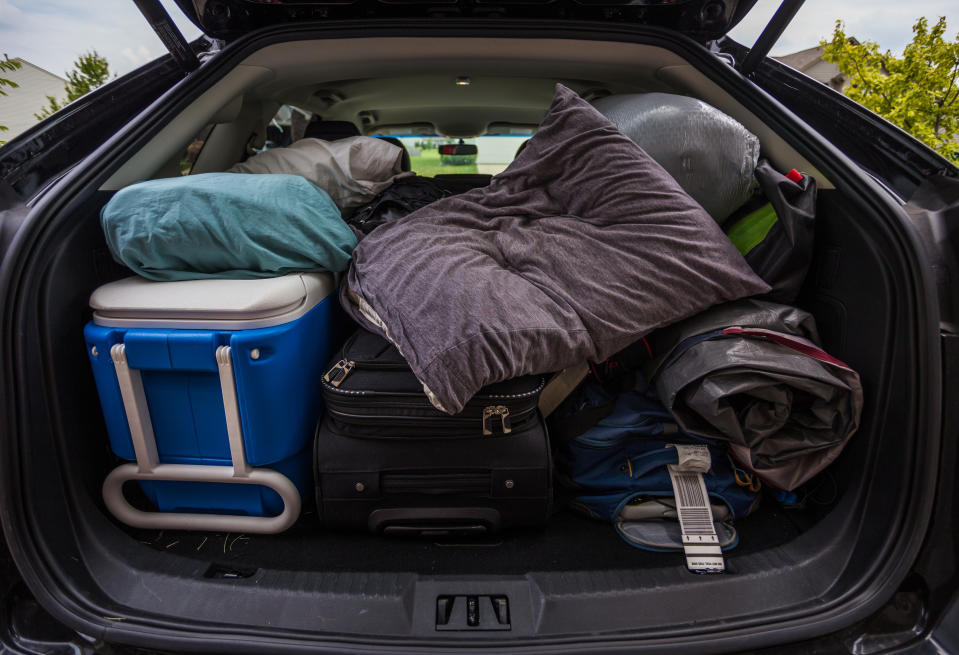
[
  {"x": 502, "y": 411},
  {"x": 338, "y": 373}
]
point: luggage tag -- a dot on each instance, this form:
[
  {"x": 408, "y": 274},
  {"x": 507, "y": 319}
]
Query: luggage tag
[{"x": 700, "y": 542}]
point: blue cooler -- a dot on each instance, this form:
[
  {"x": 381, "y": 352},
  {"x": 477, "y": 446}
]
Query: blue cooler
[{"x": 211, "y": 388}]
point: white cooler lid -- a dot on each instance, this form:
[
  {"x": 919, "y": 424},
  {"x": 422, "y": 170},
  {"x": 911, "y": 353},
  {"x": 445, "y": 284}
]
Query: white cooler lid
[{"x": 209, "y": 304}]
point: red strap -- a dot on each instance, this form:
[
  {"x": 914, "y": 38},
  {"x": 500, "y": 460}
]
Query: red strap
[
  {"x": 592, "y": 367},
  {"x": 793, "y": 344}
]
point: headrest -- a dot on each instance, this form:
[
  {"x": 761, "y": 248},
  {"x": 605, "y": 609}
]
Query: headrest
[
  {"x": 405, "y": 162},
  {"x": 277, "y": 136},
  {"x": 330, "y": 130}
]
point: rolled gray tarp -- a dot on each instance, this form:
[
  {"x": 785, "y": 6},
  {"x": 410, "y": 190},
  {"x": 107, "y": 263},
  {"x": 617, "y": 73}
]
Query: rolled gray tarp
[{"x": 751, "y": 373}]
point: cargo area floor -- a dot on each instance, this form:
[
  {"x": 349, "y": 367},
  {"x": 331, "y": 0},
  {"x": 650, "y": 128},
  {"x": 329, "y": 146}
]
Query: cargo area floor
[{"x": 568, "y": 543}]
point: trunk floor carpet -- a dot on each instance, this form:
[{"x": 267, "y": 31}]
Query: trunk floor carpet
[{"x": 568, "y": 543}]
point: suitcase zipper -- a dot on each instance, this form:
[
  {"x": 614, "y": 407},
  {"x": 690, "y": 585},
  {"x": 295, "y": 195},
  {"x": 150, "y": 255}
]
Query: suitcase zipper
[
  {"x": 432, "y": 424},
  {"x": 350, "y": 365},
  {"x": 414, "y": 407},
  {"x": 489, "y": 414},
  {"x": 338, "y": 373}
]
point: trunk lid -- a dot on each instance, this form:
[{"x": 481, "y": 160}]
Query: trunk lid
[{"x": 702, "y": 20}]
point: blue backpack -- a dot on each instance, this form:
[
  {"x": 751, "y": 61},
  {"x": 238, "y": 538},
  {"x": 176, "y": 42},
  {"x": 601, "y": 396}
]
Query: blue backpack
[{"x": 619, "y": 469}]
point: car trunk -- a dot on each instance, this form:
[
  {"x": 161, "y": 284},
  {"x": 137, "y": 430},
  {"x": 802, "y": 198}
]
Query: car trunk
[{"x": 797, "y": 572}]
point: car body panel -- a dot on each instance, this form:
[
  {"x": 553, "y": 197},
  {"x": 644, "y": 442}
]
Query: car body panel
[{"x": 700, "y": 19}]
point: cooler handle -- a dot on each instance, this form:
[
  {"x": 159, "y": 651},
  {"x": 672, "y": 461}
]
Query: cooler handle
[{"x": 148, "y": 466}]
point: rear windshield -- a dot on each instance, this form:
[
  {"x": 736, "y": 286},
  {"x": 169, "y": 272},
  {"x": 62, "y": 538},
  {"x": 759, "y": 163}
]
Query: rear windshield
[{"x": 493, "y": 154}]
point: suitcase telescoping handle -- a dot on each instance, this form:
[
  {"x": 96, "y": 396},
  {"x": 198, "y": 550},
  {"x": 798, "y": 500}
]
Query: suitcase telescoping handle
[{"x": 148, "y": 466}]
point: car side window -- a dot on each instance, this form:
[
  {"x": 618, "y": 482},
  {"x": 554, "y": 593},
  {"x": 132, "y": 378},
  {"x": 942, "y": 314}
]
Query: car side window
[{"x": 192, "y": 152}]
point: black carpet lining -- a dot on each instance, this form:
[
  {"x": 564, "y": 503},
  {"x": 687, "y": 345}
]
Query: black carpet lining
[{"x": 568, "y": 543}]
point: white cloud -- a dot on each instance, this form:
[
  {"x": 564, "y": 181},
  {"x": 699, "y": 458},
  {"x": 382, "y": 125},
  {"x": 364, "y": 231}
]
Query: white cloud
[
  {"x": 137, "y": 57},
  {"x": 9, "y": 12}
]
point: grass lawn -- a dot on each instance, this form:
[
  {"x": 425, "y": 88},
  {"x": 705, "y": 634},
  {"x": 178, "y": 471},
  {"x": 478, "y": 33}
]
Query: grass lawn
[{"x": 428, "y": 164}]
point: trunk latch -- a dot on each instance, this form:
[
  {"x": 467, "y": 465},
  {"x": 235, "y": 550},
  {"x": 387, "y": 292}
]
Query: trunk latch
[
  {"x": 490, "y": 415},
  {"x": 472, "y": 613},
  {"x": 338, "y": 373}
]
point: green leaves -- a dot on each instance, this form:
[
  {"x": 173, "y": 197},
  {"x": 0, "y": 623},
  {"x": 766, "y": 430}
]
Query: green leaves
[
  {"x": 917, "y": 91},
  {"x": 90, "y": 70}
]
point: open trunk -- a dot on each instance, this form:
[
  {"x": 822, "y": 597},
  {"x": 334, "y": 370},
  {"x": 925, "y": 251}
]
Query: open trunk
[{"x": 796, "y": 573}]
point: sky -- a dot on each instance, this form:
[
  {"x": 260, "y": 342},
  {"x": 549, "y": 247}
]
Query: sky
[{"x": 53, "y": 33}]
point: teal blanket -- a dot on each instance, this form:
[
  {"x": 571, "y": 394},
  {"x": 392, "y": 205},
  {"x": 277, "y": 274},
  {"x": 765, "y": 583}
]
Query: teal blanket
[{"x": 226, "y": 225}]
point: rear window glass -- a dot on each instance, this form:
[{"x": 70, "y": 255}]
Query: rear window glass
[{"x": 493, "y": 154}]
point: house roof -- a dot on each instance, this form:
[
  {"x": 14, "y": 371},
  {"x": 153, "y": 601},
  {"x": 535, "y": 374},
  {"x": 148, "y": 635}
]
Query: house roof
[
  {"x": 811, "y": 63},
  {"x": 803, "y": 59},
  {"x": 44, "y": 71}
]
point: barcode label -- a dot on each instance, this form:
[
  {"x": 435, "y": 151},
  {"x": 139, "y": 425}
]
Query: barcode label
[{"x": 700, "y": 543}]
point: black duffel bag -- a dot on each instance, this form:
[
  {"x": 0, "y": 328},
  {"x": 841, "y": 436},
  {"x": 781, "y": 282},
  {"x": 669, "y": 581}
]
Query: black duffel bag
[
  {"x": 775, "y": 231},
  {"x": 405, "y": 196}
]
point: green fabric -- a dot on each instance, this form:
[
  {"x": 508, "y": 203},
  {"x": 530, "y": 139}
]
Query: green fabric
[
  {"x": 750, "y": 230},
  {"x": 226, "y": 225}
]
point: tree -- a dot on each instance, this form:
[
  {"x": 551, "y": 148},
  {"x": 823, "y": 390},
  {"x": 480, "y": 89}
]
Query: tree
[
  {"x": 90, "y": 70},
  {"x": 917, "y": 91},
  {"x": 7, "y": 65}
]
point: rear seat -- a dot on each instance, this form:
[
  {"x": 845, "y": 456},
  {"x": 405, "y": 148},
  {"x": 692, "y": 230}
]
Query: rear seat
[
  {"x": 336, "y": 130},
  {"x": 405, "y": 164},
  {"x": 330, "y": 130},
  {"x": 461, "y": 182}
]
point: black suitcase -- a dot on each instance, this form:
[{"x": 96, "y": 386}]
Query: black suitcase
[{"x": 388, "y": 461}]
